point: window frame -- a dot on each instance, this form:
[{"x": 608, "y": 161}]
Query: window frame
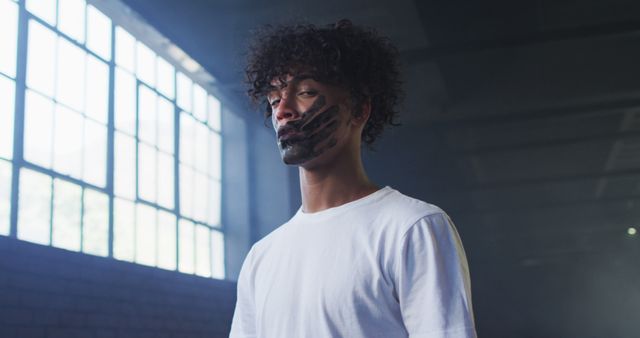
[{"x": 18, "y": 162}]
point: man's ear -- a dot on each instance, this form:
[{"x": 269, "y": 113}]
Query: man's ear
[{"x": 365, "y": 111}]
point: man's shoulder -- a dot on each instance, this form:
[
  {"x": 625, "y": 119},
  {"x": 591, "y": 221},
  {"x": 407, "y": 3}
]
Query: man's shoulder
[
  {"x": 280, "y": 234},
  {"x": 401, "y": 205},
  {"x": 390, "y": 210},
  {"x": 268, "y": 239}
]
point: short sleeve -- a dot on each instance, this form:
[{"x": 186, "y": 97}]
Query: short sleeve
[
  {"x": 432, "y": 281},
  {"x": 244, "y": 321}
]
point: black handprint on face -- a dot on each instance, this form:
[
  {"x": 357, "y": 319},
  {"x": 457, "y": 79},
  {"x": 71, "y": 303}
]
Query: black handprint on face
[{"x": 313, "y": 133}]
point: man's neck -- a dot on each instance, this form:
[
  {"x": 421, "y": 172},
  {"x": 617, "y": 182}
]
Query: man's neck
[{"x": 328, "y": 187}]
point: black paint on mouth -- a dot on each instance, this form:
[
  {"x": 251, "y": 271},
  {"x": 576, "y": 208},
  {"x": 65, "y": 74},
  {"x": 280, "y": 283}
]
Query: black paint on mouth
[{"x": 316, "y": 128}]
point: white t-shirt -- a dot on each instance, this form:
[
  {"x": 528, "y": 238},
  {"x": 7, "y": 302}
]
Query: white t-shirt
[{"x": 385, "y": 265}]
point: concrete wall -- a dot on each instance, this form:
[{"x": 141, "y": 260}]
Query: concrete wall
[
  {"x": 49, "y": 292},
  {"x": 235, "y": 191},
  {"x": 274, "y": 195}
]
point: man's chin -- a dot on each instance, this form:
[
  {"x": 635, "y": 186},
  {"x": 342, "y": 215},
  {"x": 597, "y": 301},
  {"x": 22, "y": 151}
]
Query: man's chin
[
  {"x": 292, "y": 160},
  {"x": 292, "y": 156}
]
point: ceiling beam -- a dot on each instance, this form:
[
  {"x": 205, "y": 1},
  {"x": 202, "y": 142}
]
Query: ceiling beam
[
  {"x": 542, "y": 205},
  {"x": 479, "y": 119},
  {"x": 537, "y": 181},
  {"x": 541, "y": 144},
  {"x": 427, "y": 54}
]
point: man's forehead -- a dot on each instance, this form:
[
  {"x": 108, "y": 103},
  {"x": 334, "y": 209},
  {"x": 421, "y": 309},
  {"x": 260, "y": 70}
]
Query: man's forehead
[{"x": 284, "y": 80}]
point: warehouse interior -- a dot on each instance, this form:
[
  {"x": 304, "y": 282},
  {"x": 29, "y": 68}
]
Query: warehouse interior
[{"x": 521, "y": 120}]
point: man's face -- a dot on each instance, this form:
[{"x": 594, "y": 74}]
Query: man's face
[{"x": 310, "y": 118}]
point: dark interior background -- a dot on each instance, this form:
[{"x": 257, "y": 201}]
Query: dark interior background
[{"x": 521, "y": 119}]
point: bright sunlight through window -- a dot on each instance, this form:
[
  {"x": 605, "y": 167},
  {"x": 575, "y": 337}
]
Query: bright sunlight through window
[{"x": 106, "y": 148}]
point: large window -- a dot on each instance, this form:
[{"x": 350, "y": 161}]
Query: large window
[{"x": 117, "y": 151}]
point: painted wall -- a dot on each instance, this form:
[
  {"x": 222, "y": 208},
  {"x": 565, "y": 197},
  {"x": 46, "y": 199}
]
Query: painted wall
[
  {"x": 274, "y": 192},
  {"x": 236, "y": 190},
  {"x": 50, "y": 292}
]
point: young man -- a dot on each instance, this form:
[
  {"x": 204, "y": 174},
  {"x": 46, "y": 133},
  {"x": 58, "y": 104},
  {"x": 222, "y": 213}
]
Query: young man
[{"x": 356, "y": 260}]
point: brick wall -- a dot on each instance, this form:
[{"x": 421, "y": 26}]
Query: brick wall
[{"x": 54, "y": 293}]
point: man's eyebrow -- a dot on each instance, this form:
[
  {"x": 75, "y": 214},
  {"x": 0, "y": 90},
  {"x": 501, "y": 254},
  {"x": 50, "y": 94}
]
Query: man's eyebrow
[
  {"x": 299, "y": 78},
  {"x": 294, "y": 81},
  {"x": 302, "y": 77}
]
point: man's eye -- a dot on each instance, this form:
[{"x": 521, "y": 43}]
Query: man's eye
[
  {"x": 274, "y": 102},
  {"x": 308, "y": 93}
]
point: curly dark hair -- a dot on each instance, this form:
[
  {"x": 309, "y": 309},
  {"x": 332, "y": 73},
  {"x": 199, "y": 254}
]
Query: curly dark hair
[{"x": 356, "y": 58}]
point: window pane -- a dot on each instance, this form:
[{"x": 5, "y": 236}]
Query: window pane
[
  {"x": 67, "y": 153},
  {"x": 186, "y": 246},
  {"x": 67, "y": 198},
  {"x": 199, "y": 103},
  {"x": 147, "y": 115},
  {"x": 125, "y": 49},
  {"x": 35, "y": 207},
  {"x": 217, "y": 254},
  {"x": 165, "y": 180},
  {"x": 184, "y": 91},
  {"x": 215, "y": 155},
  {"x": 215, "y": 199},
  {"x": 146, "y": 64},
  {"x": 214, "y": 113},
  {"x": 201, "y": 147},
  {"x": 97, "y": 102},
  {"x": 7, "y": 97},
  {"x": 203, "y": 251},
  {"x": 125, "y": 166},
  {"x": 70, "y": 76},
  {"x": 124, "y": 218},
  {"x": 8, "y": 37},
  {"x": 146, "y": 235},
  {"x": 95, "y": 153},
  {"x": 38, "y": 129},
  {"x": 146, "y": 172},
  {"x": 125, "y": 102},
  {"x": 165, "y": 125},
  {"x": 166, "y": 240},
  {"x": 95, "y": 224},
  {"x": 166, "y": 78},
  {"x": 71, "y": 18},
  {"x": 5, "y": 197},
  {"x": 200, "y": 200},
  {"x": 44, "y": 9},
  {"x": 98, "y": 32},
  {"x": 186, "y": 191},
  {"x": 187, "y": 131},
  {"x": 40, "y": 63}
]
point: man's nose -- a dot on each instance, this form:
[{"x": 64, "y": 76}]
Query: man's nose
[{"x": 286, "y": 111}]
